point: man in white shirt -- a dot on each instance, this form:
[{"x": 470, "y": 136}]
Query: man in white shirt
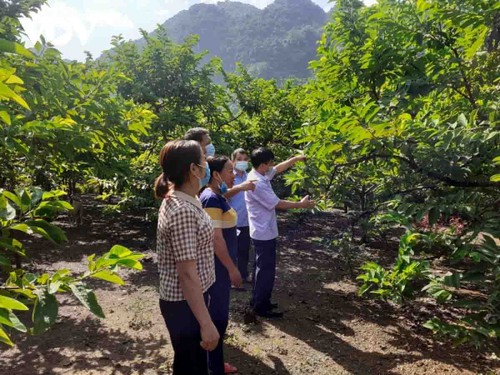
[{"x": 262, "y": 204}]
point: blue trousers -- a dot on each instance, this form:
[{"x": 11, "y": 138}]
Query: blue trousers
[
  {"x": 243, "y": 250},
  {"x": 264, "y": 274},
  {"x": 184, "y": 330},
  {"x": 218, "y": 307}
]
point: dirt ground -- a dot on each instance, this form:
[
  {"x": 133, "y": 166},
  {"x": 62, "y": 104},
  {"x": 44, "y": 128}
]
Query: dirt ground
[{"x": 327, "y": 328}]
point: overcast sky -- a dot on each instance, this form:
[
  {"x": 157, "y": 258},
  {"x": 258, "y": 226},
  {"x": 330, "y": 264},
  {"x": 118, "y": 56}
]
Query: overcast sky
[{"x": 75, "y": 26}]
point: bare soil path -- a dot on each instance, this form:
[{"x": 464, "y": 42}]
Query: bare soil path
[{"x": 327, "y": 329}]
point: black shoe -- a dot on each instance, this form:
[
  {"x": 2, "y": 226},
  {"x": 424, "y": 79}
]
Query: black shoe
[
  {"x": 270, "y": 314},
  {"x": 272, "y": 305}
]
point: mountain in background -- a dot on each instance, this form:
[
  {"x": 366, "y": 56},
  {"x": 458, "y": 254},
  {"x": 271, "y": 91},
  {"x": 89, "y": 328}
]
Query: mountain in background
[{"x": 275, "y": 42}]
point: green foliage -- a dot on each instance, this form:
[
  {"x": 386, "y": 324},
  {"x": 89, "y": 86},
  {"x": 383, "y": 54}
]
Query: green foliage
[
  {"x": 25, "y": 211},
  {"x": 403, "y": 120},
  {"x": 400, "y": 282},
  {"x": 27, "y": 291},
  {"x": 60, "y": 123}
]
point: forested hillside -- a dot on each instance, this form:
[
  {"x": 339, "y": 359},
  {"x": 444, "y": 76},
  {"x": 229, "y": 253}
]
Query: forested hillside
[{"x": 275, "y": 42}]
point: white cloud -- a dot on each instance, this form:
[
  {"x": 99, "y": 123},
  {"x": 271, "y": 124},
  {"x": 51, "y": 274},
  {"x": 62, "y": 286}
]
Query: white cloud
[{"x": 62, "y": 24}]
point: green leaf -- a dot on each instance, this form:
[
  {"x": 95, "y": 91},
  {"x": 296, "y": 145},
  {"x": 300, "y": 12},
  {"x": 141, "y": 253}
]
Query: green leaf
[
  {"x": 4, "y": 262},
  {"x": 47, "y": 230},
  {"x": 45, "y": 311},
  {"x": 53, "y": 194},
  {"x": 7, "y": 212},
  {"x": 120, "y": 251},
  {"x": 8, "y": 318},
  {"x": 13, "y": 47},
  {"x": 22, "y": 228},
  {"x": 4, "y": 338},
  {"x": 7, "y": 93},
  {"x": 495, "y": 178},
  {"x": 11, "y": 304},
  {"x": 13, "y": 245},
  {"x": 13, "y": 197},
  {"x": 87, "y": 298},
  {"x": 462, "y": 120},
  {"x": 108, "y": 276},
  {"x": 5, "y": 117},
  {"x": 130, "y": 263}
]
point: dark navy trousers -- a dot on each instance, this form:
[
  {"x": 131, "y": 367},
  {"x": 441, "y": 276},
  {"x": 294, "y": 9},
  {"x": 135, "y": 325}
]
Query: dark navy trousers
[
  {"x": 218, "y": 307},
  {"x": 184, "y": 330},
  {"x": 264, "y": 274},
  {"x": 243, "y": 251}
]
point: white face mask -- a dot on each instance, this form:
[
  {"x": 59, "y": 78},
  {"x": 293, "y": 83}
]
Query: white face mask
[{"x": 241, "y": 166}]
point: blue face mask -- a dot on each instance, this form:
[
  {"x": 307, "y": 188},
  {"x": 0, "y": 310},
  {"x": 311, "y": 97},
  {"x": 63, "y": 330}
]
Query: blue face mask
[
  {"x": 241, "y": 166},
  {"x": 210, "y": 149},
  {"x": 223, "y": 188},
  {"x": 204, "y": 180}
]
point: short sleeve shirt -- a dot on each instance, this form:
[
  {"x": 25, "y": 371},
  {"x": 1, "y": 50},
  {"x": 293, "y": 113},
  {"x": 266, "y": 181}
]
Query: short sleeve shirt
[
  {"x": 223, "y": 217},
  {"x": 261, "y": 206},
  {"x": 238, "y": 201},
  {"x": 185, "y": 232}
]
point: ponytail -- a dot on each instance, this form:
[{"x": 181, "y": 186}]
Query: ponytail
[{"x": 161, "y": 186}]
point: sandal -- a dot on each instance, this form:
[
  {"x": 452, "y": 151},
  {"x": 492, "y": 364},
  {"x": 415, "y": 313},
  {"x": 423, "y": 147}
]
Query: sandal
[{"x": 229, "y": 369}]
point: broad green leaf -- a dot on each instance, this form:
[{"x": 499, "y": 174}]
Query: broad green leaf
[
  {"x": 108, "y": 276},
  {"x": 11, "y": 304},
  {"x": 8, "y": 318},
  {"x": 8, "y": 94},
  {"x": 495, "y": 178},
  {"x": 47, "y": 230},
  {"x": 13, "y": 245},
  {"x": 13, "y": 197},
  {"x": 87, "y": 298},
  {"x": 4, "y": 338},
  {"x": 5, "y": 117},
  {"x": 13, "y": 47},
  {"x": 53, "y": 194},
  {"x": 22, "y": 228},
  {"x": 4, "y": 262},
  {"x": 45, "y": 311},
  {"x": 7, "y": 212},
  {"x": 120, "y": 251},
  {"x": 130, "y": 263}
]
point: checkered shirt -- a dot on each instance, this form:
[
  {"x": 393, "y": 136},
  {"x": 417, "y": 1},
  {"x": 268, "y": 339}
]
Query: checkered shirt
[{"x": 185, "y": 232}]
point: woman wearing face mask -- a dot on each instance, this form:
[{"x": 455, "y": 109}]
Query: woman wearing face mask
[
  {"x": 237, "y": 201},
  {"x": 185, "y": 249},
  {"x": 225, "y": 245}
]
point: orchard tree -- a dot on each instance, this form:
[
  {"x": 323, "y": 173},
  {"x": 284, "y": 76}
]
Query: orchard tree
[{"x": 404, "y": 106}]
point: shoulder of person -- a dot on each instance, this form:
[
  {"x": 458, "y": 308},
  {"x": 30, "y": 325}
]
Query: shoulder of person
[
  {"x": 183, "y": 212},
  {"x": 211, "y": 199},
  {"x": 271, "y": 173}
]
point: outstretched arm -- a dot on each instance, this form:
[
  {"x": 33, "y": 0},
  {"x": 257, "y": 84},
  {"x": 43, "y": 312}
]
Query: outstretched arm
[
  {"x": 244, "y": 186},
  {"x": 281, "y": 167},
  {"x": 287, "y": 205}
]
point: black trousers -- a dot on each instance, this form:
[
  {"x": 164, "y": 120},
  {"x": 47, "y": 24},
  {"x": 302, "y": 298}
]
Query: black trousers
[
  {"x": 189, "y": 357},
  {"x": 264, "y": 274},
  {"x": 243, "y": 250}
]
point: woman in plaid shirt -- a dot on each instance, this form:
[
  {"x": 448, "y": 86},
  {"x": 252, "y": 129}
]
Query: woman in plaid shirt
[{"x": 185, "y": 257}]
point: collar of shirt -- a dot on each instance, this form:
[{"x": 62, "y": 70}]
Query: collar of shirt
[
  {"x": 193, "y": 200},
  {"x": 258, "y": 175}
]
